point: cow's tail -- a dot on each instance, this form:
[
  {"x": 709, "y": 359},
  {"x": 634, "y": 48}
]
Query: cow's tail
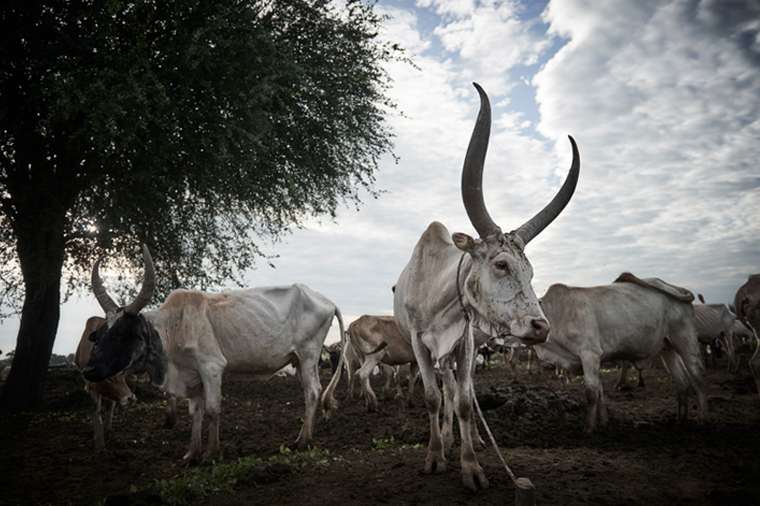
[{"x": 329, "y": 403}]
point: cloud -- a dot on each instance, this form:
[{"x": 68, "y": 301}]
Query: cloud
[{"x": 663, "y": 98}]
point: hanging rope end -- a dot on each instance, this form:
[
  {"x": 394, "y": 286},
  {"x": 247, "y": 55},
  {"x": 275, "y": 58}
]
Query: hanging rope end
[{"x": 526, "y": 492}]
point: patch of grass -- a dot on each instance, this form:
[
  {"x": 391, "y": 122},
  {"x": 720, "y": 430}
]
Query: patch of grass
[
  {"x": 381, "y": 444},
  {"x": 200, "y": 483}
]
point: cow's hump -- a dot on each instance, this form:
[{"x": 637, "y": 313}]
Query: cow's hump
[{"x": 673, "y": 291}]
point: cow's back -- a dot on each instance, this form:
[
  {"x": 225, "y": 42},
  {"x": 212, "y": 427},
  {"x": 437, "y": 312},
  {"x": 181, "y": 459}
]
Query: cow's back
[
  {"x": 712, "y": 320},
  {"x": 257, "y": 330}
]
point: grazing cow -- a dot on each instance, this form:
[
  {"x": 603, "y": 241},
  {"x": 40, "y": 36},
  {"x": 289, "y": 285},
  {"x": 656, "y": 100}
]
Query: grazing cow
[
  {"x": 632, "y": 320},
  {"x": 716, "y": 321},
  {"x": 376, "y": 340},
  {"x": 113, "y": 389},
  {"x": 747, "y": 307},
  {"x": 455, "y": 284},
  {"x": 194, "y": 338}
]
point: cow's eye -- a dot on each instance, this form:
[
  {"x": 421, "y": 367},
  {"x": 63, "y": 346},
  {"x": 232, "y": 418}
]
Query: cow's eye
[{"x": 502, "y": 266}]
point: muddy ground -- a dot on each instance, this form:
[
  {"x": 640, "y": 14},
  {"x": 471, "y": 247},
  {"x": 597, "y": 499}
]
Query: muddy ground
[{"x": 641, "y": 458}]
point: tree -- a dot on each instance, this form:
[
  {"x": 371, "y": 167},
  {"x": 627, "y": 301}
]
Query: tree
[{"x": 198, "y": 127}]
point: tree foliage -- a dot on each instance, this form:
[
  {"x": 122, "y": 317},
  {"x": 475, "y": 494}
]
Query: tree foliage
[
  {"x": 199, "y": 127},
  {"x": 196, "y": 126}
]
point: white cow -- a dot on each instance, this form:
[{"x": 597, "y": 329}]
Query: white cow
[
  {"x": 716, "y": 321},
  {"x": 454, "y": 284},
  {"x": 194, "y": 338},
  {"x": 632, "y": 320}
]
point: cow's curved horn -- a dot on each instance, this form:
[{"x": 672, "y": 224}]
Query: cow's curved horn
[
  {"x": 149, "y": 284},
  {"x": 105, "y": 301},
  {"x": 540, "y": 221},
  {"x": 472, "y": 173}
]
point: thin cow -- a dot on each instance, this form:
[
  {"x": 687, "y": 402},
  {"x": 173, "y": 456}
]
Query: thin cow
[
  {"x": 454, "y": 284},
  {"x": 113, "y": 389},
  {"x": 631, "y": 319},
  {"x": 194, "y": 338}
]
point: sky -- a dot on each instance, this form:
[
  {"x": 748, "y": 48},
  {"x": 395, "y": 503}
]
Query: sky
[{"x": 662, "y": 97}]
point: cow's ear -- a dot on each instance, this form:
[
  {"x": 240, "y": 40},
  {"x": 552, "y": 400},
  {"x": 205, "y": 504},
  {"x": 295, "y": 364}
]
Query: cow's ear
[
  {"x": 156, "y": 363},
  {"x": 463, "y": 241},
  {"x": 93, "y": 337}
]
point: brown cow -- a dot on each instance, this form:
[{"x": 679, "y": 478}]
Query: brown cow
[
  {"x": 113, "y": 389},
  {"x": 376, "y": 340}
]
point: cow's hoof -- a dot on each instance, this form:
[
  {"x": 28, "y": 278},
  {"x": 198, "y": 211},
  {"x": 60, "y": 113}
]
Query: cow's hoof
[
  {"x": 475, "y": 482},
  {"x": 435, "y": 467},
  {"x": 207, "y": 461},
  {"x": 187, "y": 462}
]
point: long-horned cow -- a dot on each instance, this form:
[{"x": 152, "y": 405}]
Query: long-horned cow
[
  {"x": 113, "y": 389},
  {"x": 747, "y": 307},
  {"x": 194, "y": 338},
  {"x": 631, "y": 319},
  {"x": 454, "y": 284}
]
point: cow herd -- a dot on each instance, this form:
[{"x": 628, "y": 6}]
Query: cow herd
[{"x": 455, "y": 293}]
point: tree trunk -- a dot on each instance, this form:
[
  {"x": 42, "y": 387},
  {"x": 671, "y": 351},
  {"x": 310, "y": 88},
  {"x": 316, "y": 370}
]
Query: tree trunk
[
  {"x": 34, "y": 345},
  {"x": 40, "y": 248}
]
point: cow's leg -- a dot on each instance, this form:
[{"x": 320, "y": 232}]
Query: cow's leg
[
  {"x": 597, "y": 411},
  {"x": 754, "y": 365},
  {"x": 692, "y": 368},
  {"x": 109, "y": 418},
  {"x": 397, "y": 379},
  {"x": 414, "y": 370},
  {"x": 728, "y": 342},
  {"x": 510, "y": 359},
  {"x": 171, "y": 412},
  {"x": 365, "y": 372},
  {"x": 308, "y": 373},
  {"x": 350, "y": 371},
  {"x": 196, "y": 411},
  {"x": 680, "y": 377},
  {"x": 97, "y": 422},
  {"x": 211, "y": 376},
  {"x": 390, "y": 375},
  {"x": 447, "y": 428},
  {"x": 435, "y": 462},
  {"x": 473, "y": 476},
  {"x": 623, "y": 379}
]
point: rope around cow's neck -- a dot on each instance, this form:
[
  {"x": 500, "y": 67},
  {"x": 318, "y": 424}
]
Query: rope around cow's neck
[{"x": 468, "y": 329}]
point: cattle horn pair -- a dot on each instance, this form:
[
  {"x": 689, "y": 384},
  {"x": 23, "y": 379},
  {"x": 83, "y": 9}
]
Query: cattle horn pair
[
  {"x": 143, "y": 298},
  {"x": 472, "y": 182}
]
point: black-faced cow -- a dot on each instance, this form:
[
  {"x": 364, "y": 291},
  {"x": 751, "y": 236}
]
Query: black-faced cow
[
  {"x": 454, "y": 284},
  {"x": 747, "y": 307},
  {"x": 113, "y": 389},
  {"x": 194, "y": 338},
  {"x": 632, "y": 320}
]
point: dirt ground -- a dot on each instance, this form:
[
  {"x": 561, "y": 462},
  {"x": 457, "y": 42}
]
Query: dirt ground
[{"x": 641, "y": 458}]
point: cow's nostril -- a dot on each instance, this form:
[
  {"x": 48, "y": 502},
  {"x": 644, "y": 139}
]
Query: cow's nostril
[{"x": 541, "y": 328}]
